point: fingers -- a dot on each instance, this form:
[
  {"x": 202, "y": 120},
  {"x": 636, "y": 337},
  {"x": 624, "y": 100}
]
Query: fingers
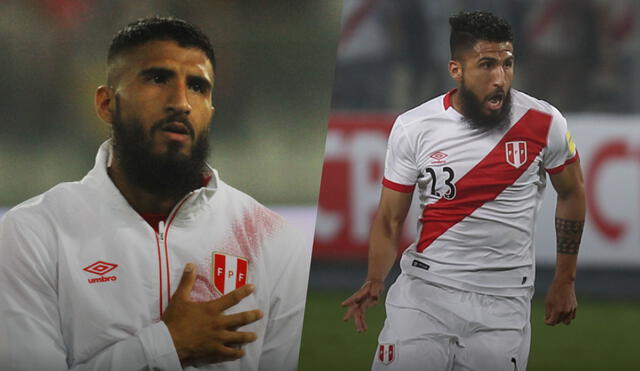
[
  {"x": 356, "y": 313},
  {"x": 186, "y": 282},
  {"x": 355, "y": 298},
  {"x": 552, "y": 317},
  {"x": 368, "y": 290},
  {"x": 569, "y": 317},
  {"x": 233, "y": 298},
  {"x": 361, "y": 324},
  {"x": 237, "y": 338},
  {"x": 358, "y": 303},
  {"x": 226, "y": 353},
  {"x": 559, "y": 316},
  {"x": 350, "y": 312},
  {"x": 243, "y": 318}
]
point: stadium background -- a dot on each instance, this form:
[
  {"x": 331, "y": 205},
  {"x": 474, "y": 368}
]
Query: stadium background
[{"x": 583, "y": 56}]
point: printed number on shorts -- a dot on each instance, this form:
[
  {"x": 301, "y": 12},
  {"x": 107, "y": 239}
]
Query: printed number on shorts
[{"x": 450, "y": 194}]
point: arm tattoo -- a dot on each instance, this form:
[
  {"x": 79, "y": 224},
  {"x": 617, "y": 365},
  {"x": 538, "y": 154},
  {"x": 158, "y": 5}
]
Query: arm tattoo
[{"x": 568, "y": 234}]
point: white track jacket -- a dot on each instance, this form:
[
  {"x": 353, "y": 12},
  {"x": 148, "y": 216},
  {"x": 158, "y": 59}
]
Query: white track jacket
[{"x": 84, "y": 279}]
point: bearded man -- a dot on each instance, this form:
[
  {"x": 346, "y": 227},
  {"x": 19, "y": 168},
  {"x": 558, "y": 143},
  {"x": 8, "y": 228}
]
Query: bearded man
[
  {"x": 151, "y": 261},
  {"x": 479, "y": 155}
]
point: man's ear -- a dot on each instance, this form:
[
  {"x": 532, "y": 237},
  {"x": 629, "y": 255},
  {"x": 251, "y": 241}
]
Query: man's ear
[
  {"x": 105, "y": 103},
  {"x": 455, "y": 70}
]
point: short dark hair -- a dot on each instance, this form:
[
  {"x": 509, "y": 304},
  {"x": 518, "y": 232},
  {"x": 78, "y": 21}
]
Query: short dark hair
[
  {"x": 154, "y": 28},
  {"x": 467, "y": 28}
]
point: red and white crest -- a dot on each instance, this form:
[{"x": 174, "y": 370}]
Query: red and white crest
[
  {"x": 516, "y": 153},
  {"x": 229, "y": 272},
  {"x": 387, "y": 353}
]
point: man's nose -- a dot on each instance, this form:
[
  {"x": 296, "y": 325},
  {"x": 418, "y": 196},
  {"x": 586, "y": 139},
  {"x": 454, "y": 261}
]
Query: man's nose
[
  {"x": 499, "y": 77},
  {"x": 178, "y": 100}
]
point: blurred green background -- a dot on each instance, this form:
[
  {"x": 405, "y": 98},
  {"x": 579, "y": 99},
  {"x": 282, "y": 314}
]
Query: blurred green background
[{"x": 272, "y": 93}]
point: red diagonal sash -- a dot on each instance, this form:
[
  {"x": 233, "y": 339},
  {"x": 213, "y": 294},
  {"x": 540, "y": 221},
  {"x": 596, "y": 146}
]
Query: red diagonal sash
[{"x": 487, "y": 179}]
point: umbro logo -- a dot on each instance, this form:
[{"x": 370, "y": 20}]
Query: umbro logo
[
  {"x": 438, "y": 158},
  {"x": 101, "y": 268}
]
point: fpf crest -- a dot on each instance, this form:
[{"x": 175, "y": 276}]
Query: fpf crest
[
  {"x": 387, "y": 353},
  {"x": 516, "y": 153},
  {"x": 228, "y": 272}
]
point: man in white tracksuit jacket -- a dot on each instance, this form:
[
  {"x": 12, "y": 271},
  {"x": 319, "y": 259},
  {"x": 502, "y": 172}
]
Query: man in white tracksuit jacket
[{"x": 112, "y": 273}]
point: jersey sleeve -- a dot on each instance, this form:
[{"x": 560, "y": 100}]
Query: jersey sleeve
[
  {"x": 561, "y": 149},
  {"x": 32, "y": 337},
  {"x": 287, "y": 259},
  {"x": 400, "y": 169}
]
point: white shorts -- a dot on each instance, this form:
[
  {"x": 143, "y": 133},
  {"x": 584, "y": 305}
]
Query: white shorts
[{"x": 438, "y": 328}]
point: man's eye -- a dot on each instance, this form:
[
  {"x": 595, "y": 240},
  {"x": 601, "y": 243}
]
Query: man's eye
[
  {"x": 197, "y": 87},
  {"x": 157, "y": 79}
]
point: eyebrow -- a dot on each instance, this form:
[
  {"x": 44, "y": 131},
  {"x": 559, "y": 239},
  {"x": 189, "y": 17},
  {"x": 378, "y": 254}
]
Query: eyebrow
[
  {"x": 165, "y": 72},
  {"x": 491, "y": 59},
  {"x": 206, "y": 85}
]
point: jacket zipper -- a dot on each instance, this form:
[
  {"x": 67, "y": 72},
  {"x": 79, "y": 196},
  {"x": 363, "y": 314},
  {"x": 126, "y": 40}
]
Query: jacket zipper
[
  {"x": 162, "y": 232},
  {"x": 161, "y": 238}
]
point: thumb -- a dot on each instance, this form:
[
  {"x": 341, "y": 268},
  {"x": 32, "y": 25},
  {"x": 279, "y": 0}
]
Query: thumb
[{"x": 186, "y": 282}]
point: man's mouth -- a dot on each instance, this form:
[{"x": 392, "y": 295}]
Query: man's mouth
[
  {"x": 495, "y": 100},
  {"x": 176, "y": 127},
  {"x": 176, "y": 130}
]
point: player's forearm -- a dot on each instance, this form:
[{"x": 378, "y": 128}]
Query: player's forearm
[
  {"x": 570, "y": 212},
  {"x": 383, "y": 247}
]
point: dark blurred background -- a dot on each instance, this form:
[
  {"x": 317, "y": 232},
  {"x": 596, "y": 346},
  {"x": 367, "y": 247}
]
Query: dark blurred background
[{"x": 581, "y": 55}]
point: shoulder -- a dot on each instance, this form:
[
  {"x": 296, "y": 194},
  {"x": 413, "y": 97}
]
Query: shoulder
[
  {"x": 525, "y": 102},
  {"x": 426, "y": 113},
  {"x": 249, "y": 214},
  {"x": 42, "y": 209},
  {"x": 28, "y": 231}
]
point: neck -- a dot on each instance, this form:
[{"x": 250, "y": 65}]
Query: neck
[
  {"x": 455, "y": 101},
  {"x": 140, "y": 200}
]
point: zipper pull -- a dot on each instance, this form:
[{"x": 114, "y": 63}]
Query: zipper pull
[{"x": 161, "y": 230}]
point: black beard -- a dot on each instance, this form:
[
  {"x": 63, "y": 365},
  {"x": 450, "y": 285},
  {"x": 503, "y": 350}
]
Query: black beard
[
  {"x": 473, "y": 111},
  {"x": 168, "y": 175}
]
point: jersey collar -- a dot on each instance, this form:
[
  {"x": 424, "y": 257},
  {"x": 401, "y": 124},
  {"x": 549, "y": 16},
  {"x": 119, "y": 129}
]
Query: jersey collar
[{"x": 99, "y": 178}]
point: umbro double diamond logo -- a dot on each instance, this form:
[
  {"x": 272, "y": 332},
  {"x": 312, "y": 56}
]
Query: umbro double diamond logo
[{"x": 101, "y": 268}]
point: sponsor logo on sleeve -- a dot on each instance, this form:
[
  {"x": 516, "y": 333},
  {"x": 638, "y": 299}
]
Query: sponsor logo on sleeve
[
  {"x": 229, "y": 272},
  {"x": 101, "y": 268},
  {"x": 570, "y": 143}
]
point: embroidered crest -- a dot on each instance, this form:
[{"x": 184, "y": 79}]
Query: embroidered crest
[
  {"x": 387, "y": 353},
  {"x": 516, "y": 153},
  {"x": 228, "y": 272}
]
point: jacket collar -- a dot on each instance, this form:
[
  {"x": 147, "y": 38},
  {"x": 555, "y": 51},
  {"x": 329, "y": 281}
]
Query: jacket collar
[{"x": 99, "y": 179}]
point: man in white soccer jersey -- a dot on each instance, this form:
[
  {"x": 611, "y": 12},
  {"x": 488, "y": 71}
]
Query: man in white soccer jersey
[
  {"x": 151, "y": 262},
  {"x": 479, "y": 155}
]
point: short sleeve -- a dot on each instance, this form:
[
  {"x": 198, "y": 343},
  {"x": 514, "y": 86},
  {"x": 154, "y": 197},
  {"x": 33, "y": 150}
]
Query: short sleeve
[
  {"x": 561, "y": 149},
  {"x": 400, "y": 169}
]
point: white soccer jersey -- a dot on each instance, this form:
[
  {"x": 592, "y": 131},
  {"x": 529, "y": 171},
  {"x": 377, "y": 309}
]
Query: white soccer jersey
[
  {"x": 479, "y": 191},
  {"x": 84, "y": 279}
]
